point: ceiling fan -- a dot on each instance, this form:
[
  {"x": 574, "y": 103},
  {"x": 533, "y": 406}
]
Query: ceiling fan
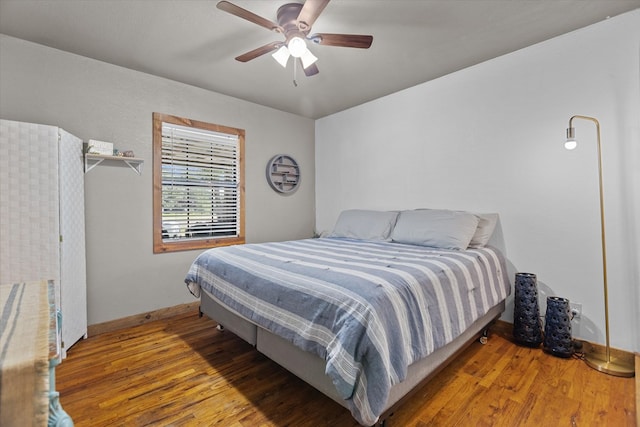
[{"x": 294, "y": 23}]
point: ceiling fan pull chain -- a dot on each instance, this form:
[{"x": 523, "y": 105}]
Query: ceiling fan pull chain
[{"x": 295, "y": 67}]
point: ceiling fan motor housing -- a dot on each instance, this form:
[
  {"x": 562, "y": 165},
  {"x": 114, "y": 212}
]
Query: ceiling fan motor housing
[{"x": 288, "y": 20}]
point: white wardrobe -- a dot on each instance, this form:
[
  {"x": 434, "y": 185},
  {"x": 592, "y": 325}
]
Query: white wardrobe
[{"x": 42, "y": 235}]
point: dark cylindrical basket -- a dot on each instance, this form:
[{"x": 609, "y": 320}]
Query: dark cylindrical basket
[
  {"x": 527, "y": 326},
  {"x": 557, "y": 328}
]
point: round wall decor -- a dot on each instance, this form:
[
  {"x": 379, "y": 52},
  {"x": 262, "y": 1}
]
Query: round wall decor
[{"x": 283, "y": 173}]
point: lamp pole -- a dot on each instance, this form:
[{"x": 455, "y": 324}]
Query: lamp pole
[{"x": 606, "y": 365}]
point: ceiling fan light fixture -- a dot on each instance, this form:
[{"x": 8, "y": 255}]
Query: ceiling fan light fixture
[
  {"x": 308, "y": 59},
  {"x": 297, "y": 47},
  {"x": 282, "y": 56}
]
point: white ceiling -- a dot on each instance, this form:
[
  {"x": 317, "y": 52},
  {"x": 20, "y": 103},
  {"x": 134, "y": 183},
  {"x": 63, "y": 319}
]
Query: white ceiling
[{"x": 191, "y": 41}]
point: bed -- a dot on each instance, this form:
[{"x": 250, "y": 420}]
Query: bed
[{"x": 368, "y": 313}]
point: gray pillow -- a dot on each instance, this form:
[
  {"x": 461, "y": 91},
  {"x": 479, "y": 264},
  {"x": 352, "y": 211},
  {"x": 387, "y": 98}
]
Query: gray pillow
[
  {"x": 486, "y": 226},
  {"x": 437, "y": 228},
  {"x": 365, "y": 224}
]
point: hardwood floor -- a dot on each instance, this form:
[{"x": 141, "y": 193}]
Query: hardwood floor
[{"x": 181, "y": 371}]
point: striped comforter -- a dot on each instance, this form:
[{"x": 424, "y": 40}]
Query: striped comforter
[{"x": 369, "y": 309}]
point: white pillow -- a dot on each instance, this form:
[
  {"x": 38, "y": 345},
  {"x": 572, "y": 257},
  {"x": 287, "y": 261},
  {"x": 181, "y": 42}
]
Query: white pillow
[
  {"x": 486, "y": 226},
  {"x": 436, "y": 228},
  {"x": 365, "y": 224}
]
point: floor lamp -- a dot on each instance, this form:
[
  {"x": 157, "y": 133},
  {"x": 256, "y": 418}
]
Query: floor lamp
[{"x": 596, "y": 360}]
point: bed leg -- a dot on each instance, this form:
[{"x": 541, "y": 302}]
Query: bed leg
[
  {"x": 485, "y": 336},
  {"x": 384, "y": 422},
  {"x": 200, "y": 313}
]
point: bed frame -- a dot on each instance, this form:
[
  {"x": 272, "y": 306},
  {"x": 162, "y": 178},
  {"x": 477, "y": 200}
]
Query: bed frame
[{"x": 311, "y": 368}]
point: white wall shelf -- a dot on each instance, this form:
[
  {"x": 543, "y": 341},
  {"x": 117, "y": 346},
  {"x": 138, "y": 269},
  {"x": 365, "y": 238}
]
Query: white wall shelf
[{"x": 93, "y": 160}]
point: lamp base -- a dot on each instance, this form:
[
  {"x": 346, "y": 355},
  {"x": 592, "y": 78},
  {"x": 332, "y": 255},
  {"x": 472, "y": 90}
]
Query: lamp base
[{"x": 613, "y": 366}]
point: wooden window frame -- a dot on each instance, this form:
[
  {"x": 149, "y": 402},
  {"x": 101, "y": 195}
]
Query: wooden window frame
[{"x": 163, "y": 246}]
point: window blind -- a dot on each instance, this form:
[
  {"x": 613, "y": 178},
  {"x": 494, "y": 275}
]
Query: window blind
[{"x": 200, "y": 181}]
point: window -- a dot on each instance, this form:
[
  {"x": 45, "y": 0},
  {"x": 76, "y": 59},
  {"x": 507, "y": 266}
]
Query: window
[{"x": 198, "y": 184}]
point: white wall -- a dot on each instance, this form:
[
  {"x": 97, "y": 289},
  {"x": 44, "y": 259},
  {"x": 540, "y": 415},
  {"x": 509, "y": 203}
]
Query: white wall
[
  {"x": 489, "y": 139},
  {"x": 95, "y": 100}
]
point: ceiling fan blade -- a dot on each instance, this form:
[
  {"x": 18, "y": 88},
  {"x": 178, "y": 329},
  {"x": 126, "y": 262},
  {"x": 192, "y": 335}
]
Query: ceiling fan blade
[
  {"x": 311, "y": 70},
  {"x": 249, "y": 16},
  {"x": 344, "y": 40},
  {"x": 259, "y": 51},
  {"x": 310, "y": 12}
]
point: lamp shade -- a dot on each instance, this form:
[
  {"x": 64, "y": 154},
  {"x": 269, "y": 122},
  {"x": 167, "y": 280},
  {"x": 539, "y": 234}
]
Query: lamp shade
[
  {"x": 308, "y": 59},
  {"x": 282, "y": 56}
]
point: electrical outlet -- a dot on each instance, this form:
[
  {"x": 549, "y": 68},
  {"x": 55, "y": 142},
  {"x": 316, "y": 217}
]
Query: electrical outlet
[{"x": 576, "y": 310}]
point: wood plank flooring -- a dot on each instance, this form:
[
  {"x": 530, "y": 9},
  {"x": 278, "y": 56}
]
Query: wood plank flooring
[{"x": 181, "y": 371}]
